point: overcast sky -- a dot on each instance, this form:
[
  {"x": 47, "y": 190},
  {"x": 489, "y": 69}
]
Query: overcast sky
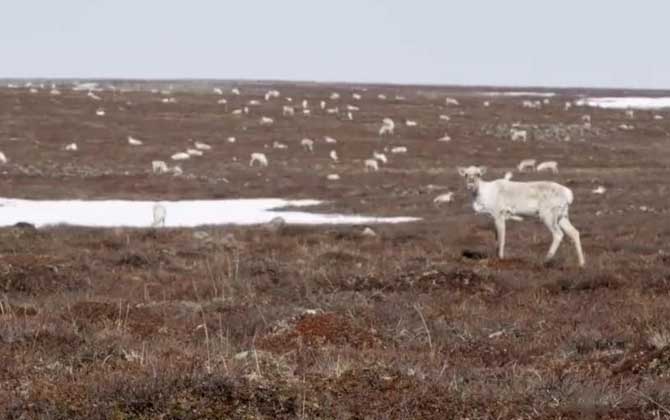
[{"x": 613, "y": 43}]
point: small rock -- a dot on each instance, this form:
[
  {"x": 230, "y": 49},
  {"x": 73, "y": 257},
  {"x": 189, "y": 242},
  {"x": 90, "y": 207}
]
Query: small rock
[{"x": 275, "y": 224}]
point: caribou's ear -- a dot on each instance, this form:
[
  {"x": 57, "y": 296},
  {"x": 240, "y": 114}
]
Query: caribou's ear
[
  {"x": 482, "y": 170},
  {"x": 462, "y": 171}
]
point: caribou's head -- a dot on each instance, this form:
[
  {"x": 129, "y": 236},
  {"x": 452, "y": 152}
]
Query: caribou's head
[{"x": 472, "y": 175}]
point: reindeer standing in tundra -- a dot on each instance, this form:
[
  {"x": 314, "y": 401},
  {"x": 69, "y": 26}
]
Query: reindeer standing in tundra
[{"x": 503, "y": 199}]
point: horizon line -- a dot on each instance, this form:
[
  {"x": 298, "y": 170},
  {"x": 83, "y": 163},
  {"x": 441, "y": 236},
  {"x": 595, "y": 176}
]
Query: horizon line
[{"x": 336, "y": 82}]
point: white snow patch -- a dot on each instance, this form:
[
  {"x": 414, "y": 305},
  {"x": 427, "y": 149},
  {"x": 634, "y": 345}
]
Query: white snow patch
[
  {"x": 520, "y": 94},
  {"x": 187, "y": 213},
  {"x": 631, "y": 102}
]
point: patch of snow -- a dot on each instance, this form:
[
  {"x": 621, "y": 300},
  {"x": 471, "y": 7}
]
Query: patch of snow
[
  {"x": 631, "y": 102},
  {"x": 187, "y": 213},
  {"x": 520, "y": 94}
]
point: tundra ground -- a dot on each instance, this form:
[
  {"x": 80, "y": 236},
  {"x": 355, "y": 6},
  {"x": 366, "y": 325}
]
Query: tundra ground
[{"x": 421, "y": 321}]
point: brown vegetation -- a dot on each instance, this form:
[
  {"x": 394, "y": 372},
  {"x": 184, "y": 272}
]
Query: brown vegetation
[{"x": 319, "y": 322}]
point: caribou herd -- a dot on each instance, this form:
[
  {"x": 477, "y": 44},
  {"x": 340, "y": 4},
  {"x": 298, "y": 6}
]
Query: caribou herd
[{"x": 502, "y": 199}]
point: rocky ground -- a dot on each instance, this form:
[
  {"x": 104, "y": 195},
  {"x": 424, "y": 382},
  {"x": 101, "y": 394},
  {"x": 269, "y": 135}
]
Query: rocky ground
[{"x": 419, "y": 321}]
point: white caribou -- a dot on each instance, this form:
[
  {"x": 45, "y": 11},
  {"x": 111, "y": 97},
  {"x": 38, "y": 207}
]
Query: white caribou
[{"x": 503, "y": 199}]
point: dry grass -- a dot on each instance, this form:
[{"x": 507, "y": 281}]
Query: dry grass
[{"x": 419, "y": 322}]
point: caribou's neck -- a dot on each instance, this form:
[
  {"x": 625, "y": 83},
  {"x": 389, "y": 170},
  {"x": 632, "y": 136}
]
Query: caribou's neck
[{"x": 481, "y": 184}]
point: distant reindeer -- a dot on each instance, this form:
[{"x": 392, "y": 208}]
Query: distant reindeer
[
  {"x": 388, "y": 127},
  {"x": 159, "y": 215},
  {"x": 260, "y": 158}
]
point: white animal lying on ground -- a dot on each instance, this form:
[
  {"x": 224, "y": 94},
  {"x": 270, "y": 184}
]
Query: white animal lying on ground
[
  {"x": 525, "y": 164},
  {"x": 398, "y": 150},
  {"x": 3, "y": 158},
  {"x": 159, "y": 215},
  {"x": 502, "y": 200},
  {"x": 159, "y": 167},
  {"x": 371, "y": 164},
  {"x": 278, "y": 145},
  {"x": 72, "y": 147},
  {"x": 549, "y": 165},
  {"x": 445, "y": 139},
  {"x": 267, "y": 121},
  {"x": 134, "y": 142},
  {"x": 599, "y": 190},
  {"x": 444, "y": 198},
  {"x": 411, "y": 123},
  {"x": 333, "y": 155},
  {"x": 180, "y": 156},
  {"x": 333, "y": 177},
  {"x": 194, "y": 152},
  {"x": 202, "y": 146},
  {"x": 260, "y": 158},
  {"x": 451, "y": 101},
  {"x": 329, "y": 140}
]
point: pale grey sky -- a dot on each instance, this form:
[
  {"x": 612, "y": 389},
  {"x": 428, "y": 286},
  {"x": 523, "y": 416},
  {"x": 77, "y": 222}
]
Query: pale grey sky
[{"x": 615, "y": 43}]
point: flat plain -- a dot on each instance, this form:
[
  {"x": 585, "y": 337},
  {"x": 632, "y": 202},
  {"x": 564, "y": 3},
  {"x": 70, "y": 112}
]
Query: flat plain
[{"x": 419, "y": 321}]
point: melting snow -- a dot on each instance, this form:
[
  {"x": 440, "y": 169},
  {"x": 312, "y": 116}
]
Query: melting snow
[
  {"x": 521, "y": 93},
  {"x": 113, "y": 213},
  {"x": 636, "y": 102}
]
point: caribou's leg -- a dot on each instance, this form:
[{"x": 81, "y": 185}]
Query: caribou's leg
[
  {"x": 500, "y": 235},
  {"x": 573, "y": 234},
  {"x": 550, "y": 219}
]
